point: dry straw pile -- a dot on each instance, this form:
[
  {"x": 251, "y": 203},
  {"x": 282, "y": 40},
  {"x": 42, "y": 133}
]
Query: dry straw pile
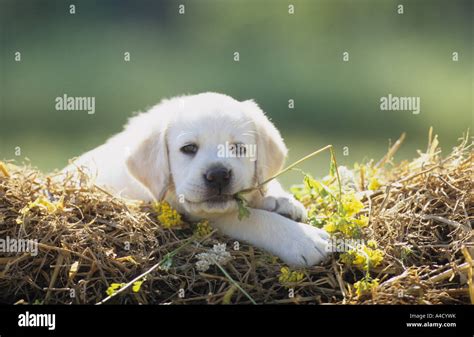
[{"x": 419, "y": 218}]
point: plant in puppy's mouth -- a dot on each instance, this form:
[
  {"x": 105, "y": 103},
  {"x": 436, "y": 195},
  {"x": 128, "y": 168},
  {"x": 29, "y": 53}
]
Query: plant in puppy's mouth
[
  {"x": 242, "y": 205},
  {"x": 242, "y": 202}
]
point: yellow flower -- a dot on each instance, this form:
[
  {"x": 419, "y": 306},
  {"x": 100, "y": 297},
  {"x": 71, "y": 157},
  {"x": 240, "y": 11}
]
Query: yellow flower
[
  {"x": 44, "y": 204},
  {"x": 351, "y": 204},
  {"x": 372, "y": 243},
  {"x": 363, "y": 221},
  {"x": 346, "y": 225},
  {"x": 127, "y": 259},
  {"x": 203, "y": 228},
  {"x": 330, "y": 227},
  {"x": 364, "y": 286},
  {"x": 375, "y": 256},
  {"x": 348, "y": 229},
  {"x": 136, "y": 286},
  {"x": 359, "y": 259},
  {"x": 113, "y": 288},
  {"x": 363, "y": 257},
  {"x": 167, "y": 216},
  {"x": 374, "y": 184},
  {"x": 371, "y": 175},
  {"x": 288, "y": 276}
]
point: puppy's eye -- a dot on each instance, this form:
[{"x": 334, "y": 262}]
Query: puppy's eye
[{"x": 189, "y": 149}]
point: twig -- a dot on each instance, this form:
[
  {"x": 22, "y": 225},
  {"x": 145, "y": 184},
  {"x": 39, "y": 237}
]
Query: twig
[
  {"x": 59, "y": 262},
  {"x": 235, "y": 283},
  {"x": 339, "y": 281},
  {"x": 4, "y": 170},
  {"x": 416, "y": 175},
  {"x": 391, "y": 151},
  {"x": 286, "y": 169},
  {"x": 157, "y": 265},
  {"x": 445, "y": 221},
  {"x": 470, "y": 280},
  {"x": 59, "y": 249},
  {"x": 396, "y": 278},
  {"x": 450, "y": 272}
]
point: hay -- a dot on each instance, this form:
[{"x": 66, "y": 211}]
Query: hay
[{"x": 88, "y": 239}]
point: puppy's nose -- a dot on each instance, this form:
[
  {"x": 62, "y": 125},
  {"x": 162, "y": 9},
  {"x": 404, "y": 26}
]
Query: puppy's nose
[{"x": 218, "y": 177}]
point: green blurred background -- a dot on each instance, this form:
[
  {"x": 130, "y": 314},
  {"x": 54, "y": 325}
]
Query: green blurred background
[{"x": 282, "y": 57}]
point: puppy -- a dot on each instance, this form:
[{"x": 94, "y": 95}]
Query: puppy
[{"x": 196, "y": 152}]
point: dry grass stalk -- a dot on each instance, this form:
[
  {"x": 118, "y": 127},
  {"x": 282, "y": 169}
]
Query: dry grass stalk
[{"x": 422, "y": 218}]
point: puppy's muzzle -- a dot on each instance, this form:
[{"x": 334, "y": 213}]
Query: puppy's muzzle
[{"x": 217, "y": 178}]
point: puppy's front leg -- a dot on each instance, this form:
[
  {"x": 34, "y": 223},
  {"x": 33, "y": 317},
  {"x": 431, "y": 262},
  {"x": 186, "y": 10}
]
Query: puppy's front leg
[
  {"x": 276, "y": 199},
  {"x": 297, "y": 244}
]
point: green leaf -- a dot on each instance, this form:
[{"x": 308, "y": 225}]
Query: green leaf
[
  {"x": 242, "y": 204},
  {"x": 167, "y": 263},
  {"x": 332, "y": 166},
  {"x": 319, "y": 187},
  {"x": 316, "y": 221}
]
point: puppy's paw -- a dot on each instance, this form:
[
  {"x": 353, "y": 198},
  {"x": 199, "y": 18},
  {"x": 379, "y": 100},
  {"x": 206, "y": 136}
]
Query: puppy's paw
[
  {"x": 287, "y": 206},
  {"x": 307, "y": 247}
]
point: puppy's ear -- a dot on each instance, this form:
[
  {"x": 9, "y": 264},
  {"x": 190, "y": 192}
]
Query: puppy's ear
[
  {"x": 271, "y": 149},
  {"x": 148, "y": 163}
]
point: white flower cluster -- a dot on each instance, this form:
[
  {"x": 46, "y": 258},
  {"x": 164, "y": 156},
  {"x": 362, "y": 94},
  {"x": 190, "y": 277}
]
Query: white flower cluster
[{"x": 217, "y": 254}]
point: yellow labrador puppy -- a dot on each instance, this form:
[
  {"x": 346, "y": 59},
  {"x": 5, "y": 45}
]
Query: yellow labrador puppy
[{"x": 196, "y": 152}]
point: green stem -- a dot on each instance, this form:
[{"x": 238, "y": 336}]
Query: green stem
[
  {"x": 159, "y": 264},
  {"x": 333, "y": 158},
  {"x": 367, "y": 274},
  {"x": 235, "y": 283},
  {"x": 286, "y": 169}
]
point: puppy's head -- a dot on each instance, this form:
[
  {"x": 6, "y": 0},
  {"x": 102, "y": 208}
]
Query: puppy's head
[{"x": 204, "y": 149}]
